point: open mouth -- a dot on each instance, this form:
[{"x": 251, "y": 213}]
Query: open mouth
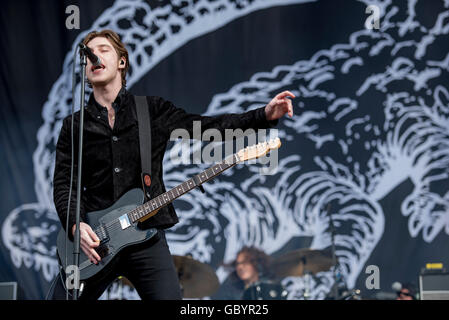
[{"x": 97, "y": 69}]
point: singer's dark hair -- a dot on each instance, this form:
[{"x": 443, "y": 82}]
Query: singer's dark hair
[{"x": 118, "y": 45}]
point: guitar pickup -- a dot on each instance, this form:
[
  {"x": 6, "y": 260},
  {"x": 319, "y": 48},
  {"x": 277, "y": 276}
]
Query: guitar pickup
[{"x": 102, "y": 234}]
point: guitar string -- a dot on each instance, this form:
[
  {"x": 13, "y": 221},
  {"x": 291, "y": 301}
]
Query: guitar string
[{"x": 115, "y": 224}]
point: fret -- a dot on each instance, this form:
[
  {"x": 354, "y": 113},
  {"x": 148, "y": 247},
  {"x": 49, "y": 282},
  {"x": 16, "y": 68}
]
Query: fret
[
  {"x": 161, "y": 200},
  {"x": 211, "y": 172},
  {"x": 140, "y": 212}
]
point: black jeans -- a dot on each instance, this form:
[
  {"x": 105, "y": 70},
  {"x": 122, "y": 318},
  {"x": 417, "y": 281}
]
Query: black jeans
[{"x": 148, "y": 266}]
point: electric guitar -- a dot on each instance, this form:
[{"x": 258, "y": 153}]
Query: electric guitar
[{"x": 118, "y": 226}]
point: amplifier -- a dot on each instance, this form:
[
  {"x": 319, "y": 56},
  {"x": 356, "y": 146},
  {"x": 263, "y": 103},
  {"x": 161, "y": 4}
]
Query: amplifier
[
  {"x": 434, "y": 286},
  {"x": 8, "y": 290}
]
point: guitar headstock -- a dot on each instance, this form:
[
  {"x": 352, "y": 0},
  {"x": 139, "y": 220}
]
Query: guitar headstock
[{"x": 258, "y": 150}]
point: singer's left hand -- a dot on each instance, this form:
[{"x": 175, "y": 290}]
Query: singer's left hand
[{"x": 280, "y": 105}]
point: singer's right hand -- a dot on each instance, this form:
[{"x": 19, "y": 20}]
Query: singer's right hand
[{"x": 89, "y": 241}]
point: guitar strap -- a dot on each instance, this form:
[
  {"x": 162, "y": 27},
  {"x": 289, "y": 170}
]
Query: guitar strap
[{"x": 143, "y": 121}]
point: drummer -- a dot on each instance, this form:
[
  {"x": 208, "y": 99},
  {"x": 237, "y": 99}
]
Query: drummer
[{"x": 250, "y": 266}]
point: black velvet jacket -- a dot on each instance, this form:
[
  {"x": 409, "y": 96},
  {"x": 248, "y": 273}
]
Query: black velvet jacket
[{"x": 111, "y": 157}]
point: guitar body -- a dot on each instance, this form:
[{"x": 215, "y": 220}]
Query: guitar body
[{"x": 113, "y": 237}]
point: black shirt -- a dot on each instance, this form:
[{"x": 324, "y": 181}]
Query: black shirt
[{"x": 111, "y": 157}]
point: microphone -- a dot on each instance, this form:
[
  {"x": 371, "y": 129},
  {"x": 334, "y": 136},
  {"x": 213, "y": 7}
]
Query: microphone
[
  {"x": 396, "y": 286},
  {"x": 90, "y": 55}
]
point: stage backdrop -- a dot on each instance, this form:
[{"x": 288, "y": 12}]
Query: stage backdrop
[{"x": 370, "y": 134}]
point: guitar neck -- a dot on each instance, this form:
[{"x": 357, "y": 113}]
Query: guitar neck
[{"x": 151, "y": 207}]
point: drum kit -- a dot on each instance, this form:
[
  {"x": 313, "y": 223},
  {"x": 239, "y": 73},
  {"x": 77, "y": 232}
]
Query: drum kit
[{"x": 199, "y": 280}]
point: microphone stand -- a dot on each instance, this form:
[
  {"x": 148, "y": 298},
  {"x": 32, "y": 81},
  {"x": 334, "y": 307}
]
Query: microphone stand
[
  {"x": 76, "y": 249},
  {"x": 334, "y": 257}
]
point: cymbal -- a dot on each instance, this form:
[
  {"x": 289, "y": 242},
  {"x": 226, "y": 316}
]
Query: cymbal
[
  {"x": 196, "y": 278},
  {"x": 296, "y": 263}
]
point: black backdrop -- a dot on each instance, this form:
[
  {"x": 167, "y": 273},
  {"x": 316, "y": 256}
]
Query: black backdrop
[{"x": 269, "y": 35}]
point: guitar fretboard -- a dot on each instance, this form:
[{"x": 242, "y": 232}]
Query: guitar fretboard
[{"x": 167, "y": 197}]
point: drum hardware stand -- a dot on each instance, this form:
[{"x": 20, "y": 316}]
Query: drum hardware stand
[
  {"x": 336, "y": 273},
  {"x": 307, "y": 279},
  {"x": 181, "y": 287}
]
